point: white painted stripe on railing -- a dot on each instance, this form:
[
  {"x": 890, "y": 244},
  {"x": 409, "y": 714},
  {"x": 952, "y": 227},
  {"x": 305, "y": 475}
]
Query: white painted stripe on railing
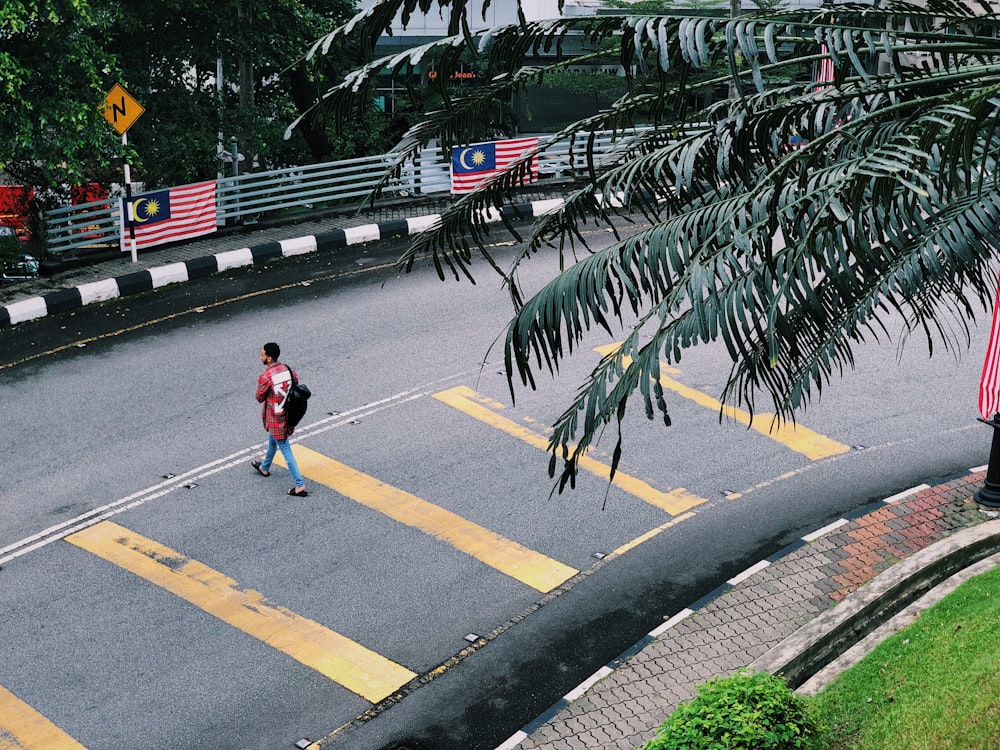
[
  {"x": 27, "y": 309},
  {"x": 298, "y": 246},
  {"x": 234, "y": 258},
  {"x": 421, "y": 223},
  {"x": 906, "y": 493},
  {"x": 615, "y": 201},
  {"x": 513, "y": 741},
  {"x": 169, "y": 274},
  {"x": 584, "y": 686},
  {"x": 99, "y": 291},
  {"x": 490, "y": 214},
  {"x": 540, "y": 208},
  {"x": 364, "y": 233},
  {"x": 748, "y": 572},
  {"x": 680, "y": 616},
  {"x": 825, "y": 530}
]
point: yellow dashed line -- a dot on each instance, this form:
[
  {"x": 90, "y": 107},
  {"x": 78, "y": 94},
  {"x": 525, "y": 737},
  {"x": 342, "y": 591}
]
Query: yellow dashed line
[{"x": 649, "y": 535}]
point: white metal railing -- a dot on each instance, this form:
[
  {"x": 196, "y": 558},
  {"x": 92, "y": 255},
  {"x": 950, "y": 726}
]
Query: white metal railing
[{"x": 86, "y": 226}]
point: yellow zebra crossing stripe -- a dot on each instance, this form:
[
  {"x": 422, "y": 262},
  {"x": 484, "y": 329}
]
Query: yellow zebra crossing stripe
[
  {"x": 674, "y": 502},
  {"x": 530, "y": 567},
  {"x": 800, "y": 439},
  {"x": 347, "y": 663},
  {"x": 23, "y": 728}
]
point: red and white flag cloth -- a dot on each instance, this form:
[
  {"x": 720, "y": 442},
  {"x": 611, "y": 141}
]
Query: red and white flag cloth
[
  {"x": 989, "y": 383},
  {"x": 169, "y": 215},
  {"x": 824, "y": 71},
  {"x": 475, "y": 164}
]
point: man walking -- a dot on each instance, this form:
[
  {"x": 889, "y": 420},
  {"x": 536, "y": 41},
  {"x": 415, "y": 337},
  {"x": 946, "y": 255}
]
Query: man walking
[{"x": 272, "y": 387}]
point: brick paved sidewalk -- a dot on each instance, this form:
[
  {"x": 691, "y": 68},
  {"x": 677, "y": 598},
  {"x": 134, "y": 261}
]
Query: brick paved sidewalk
[{"x": 622, "y": 705}]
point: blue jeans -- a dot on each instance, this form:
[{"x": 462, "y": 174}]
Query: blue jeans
[{"x": 286, "y": 451}]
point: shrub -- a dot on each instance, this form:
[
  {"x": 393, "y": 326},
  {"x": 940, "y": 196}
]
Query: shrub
[{"x": 746, "y": 711}]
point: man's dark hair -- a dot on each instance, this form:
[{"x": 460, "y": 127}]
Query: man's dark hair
[{"x": 272, "y": 350}]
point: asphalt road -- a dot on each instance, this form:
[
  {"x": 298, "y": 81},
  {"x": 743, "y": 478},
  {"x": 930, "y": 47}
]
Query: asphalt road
[{"x": 130, "y": 426}]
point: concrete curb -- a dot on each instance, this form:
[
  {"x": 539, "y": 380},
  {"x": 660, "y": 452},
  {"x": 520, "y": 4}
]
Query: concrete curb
[
  {"x": 906, "y": 617},
  {"x": 819, "y": 642},
  {"x": 73, "y": 298}
]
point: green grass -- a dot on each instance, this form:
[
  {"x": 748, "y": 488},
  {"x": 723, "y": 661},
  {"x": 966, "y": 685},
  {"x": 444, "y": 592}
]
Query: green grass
[{"x": 933, "y": 686}]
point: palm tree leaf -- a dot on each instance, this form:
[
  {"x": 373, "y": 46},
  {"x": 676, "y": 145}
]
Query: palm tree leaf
[{"x": 886, "y": 217}]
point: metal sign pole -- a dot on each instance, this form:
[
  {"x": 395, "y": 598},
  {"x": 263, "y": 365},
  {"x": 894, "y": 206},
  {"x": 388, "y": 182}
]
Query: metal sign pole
[
  {"x": 129, "y": 218},
  {"x": 121, "y": 111}
]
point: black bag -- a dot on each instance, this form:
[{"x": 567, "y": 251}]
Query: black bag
[{"x": 296, "y": 401}]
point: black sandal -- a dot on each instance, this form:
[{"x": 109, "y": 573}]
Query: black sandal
[
  {"x": 256, "y": 465},
  {"x": 295, "y": 493}
]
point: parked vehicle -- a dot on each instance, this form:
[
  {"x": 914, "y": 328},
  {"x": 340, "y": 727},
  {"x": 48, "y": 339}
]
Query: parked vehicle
[{"x": 21, "y": 268}]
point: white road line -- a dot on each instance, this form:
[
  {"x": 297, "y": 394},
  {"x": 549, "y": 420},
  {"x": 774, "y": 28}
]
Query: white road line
[{"x": 104, "y": 512}]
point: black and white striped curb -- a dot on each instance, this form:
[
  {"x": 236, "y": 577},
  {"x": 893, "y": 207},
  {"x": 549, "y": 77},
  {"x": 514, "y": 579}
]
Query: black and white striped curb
[
  {"x": 515, "y": 740},
  {"x": 73, "y": 298}
]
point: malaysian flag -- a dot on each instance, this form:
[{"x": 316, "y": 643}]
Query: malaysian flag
[
  {"x": 169, "y": 215},
  {"x": 824, "y": 73},
  {"x": 989, "y": 383},
  {"x": 473, "y": 165}
]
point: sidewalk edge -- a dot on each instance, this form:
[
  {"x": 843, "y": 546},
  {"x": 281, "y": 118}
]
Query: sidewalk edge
[
  {"x": 515, "y": 740},
  {"x": 73, "y": 298}
]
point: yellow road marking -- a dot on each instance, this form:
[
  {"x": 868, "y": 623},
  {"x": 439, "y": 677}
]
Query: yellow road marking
[
  {"x": 347, "y": 663},
  {"x": 674, "y": 502},
  {"x": 649, "y": 535},
  {"x": 530, "y": 567},
  {"x": 23, "y": 728},
  {"x": 800, "y": 439}
]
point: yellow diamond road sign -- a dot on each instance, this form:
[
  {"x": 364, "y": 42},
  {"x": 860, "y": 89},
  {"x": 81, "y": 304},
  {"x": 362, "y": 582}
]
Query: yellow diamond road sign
[{"x": 121, "y": 109}]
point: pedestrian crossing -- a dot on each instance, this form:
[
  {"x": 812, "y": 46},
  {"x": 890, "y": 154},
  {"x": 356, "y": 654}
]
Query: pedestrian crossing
[
  {"x": 525, "y": 565},
  {"x": 674, "y": 502},
  {"x": 800, "y": 439},
  {"x": 364, "y": 672},
  {"x": 346, "y": 662}
]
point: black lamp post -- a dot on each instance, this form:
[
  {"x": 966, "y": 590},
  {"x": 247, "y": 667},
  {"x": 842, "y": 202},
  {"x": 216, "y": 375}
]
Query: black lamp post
[{"x": 989, "y": 495}]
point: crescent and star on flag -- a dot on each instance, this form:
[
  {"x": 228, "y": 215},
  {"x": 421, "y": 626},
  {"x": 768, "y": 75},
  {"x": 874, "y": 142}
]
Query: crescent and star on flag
[
  {"x": 478, "y": 157},
  {"x": 141, "y": 215}
]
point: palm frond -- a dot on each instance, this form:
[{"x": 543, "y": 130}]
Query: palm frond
[
  {"x": 784, "y": 274},
  {"x": 790, "y": 257}
]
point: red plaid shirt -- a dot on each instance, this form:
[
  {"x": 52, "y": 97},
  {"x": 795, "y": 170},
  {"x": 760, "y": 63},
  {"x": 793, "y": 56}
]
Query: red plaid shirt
[{"x": 272, "y": 385}]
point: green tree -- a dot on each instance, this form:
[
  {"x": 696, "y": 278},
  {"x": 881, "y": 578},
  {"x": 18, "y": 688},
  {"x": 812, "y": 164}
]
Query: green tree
[
  {"x": 59, "y": 58},
  {"x": 53, "y": 71},
  {"x": 792, "y": 258},
  {"x": 173, "y": 71}
]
